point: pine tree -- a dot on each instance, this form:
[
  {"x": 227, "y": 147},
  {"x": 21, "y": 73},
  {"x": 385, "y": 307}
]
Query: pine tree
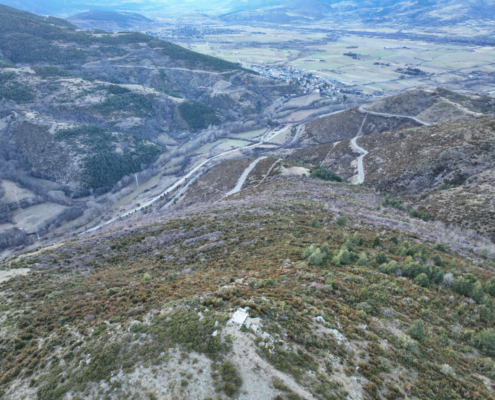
[{"x": 416, "y": 330}]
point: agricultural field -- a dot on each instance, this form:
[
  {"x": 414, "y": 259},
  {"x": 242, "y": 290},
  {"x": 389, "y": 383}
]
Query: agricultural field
[{"x": 455, "y": 67}]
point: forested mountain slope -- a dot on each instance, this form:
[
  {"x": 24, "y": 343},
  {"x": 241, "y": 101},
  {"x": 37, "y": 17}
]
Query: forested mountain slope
[{"x": 84, "y": 110}]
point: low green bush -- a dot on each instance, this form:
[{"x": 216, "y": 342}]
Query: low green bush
[
  {"x": 416, "y": 330},
  {"x": 422, "y": 280},
  {"x": 420, "y": 215},
  {"x": 490, "y": 287},
  {"x": 381, "y": 258},
  {"x": 363, "y": 260},
  {"x": 319, "y": 172},
  {"x": 343, "y": 257},
  {"x": 408, "y": 344},
  {"x": 485, "y": 340},
  {"x": 393, "y": 203},
  {"x": 468, "y": 285},
  {"x": 315, "y": 255},
  {"x": 231, "y": 377}
]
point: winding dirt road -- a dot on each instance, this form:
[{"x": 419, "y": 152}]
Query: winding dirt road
[
  {"x": 362, "y": 109},
  {"x": 243, "y": 177},
  {"x": 359, "y": 149},
  {"x": 363, "y": 152},
  {"x": 197, "y": 171}
]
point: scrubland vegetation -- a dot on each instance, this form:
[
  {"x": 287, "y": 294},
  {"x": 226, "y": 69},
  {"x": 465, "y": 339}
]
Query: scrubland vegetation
[
  {"x": 340, "y": 294},
  {"x": 350, "y": 294},
  {"x": 10, "y": 89}
]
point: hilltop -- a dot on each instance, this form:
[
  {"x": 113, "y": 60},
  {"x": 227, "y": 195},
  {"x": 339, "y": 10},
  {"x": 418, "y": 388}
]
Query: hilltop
[
  {"x": 98, "y": 15},
  {"x": 369, "y": 13},
  {"x": 337, "y": 297},
  {"x": 280, "y": 12}
]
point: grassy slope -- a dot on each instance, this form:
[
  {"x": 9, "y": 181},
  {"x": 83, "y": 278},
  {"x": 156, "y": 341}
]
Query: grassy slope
[{"x": 136, "y": 292}]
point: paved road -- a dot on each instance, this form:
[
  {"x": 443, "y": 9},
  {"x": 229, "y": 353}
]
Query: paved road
[
  {"x": 294, "y": 140},
  {"x": 363, "y": 152},
  {"x": 354, "y": 144},
  {"x": 265, "y": 138},
  {"x": 164, "y": 193},
  {"x": 183, "y": 190}
]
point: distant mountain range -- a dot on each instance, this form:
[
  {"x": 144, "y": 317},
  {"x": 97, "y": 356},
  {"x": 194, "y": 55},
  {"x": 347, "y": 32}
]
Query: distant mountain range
[
  {"x": 281, "y": 11},
  {"x": 109, "y": 16},
  {"x": 421, "y": 12}
]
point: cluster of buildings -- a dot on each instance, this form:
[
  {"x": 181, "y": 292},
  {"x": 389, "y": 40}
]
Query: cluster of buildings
[
  {"x": 189, "y": 32},
  {"x": 295, "y": 76},
  {"x": 309, "y": 82}
]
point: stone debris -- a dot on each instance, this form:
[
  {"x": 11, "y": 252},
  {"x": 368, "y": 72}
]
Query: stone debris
[
  {"x": 319, "y": 318},
  {"x": 339, "y": 336},
  {"x": 214, "y": 334},
  {"x": 253, "y": 324},
  {"x": 240, "y": 316}
]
